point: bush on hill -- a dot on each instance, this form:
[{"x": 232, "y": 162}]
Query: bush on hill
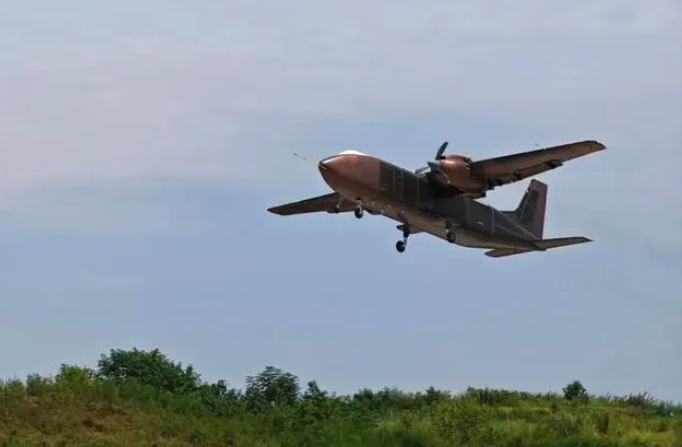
[{"x": 142, "y": 398}]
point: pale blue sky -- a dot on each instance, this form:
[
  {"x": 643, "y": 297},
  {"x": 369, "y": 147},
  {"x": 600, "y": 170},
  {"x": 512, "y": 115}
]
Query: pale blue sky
[{"x": 141, "y": 143}]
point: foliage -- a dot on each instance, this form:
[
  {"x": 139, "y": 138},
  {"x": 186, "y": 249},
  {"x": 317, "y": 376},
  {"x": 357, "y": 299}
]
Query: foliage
[
  {"x": 575, "y": 391},
  {"x": 272, "y": 387},
  {"x": 150, "y": 368},
  {"x": 142, "y": 398}
]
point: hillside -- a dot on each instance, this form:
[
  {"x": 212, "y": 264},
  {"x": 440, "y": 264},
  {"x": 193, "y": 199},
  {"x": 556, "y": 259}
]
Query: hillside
[{"x": 141, "y": 398}]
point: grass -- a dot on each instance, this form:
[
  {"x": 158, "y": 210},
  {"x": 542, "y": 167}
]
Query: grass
[{"x": 81, "y": 407}]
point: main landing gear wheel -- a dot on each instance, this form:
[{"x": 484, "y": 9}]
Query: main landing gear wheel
[
  {"x": 359, "y": 212},
  {"x": 402, "y": 244},
  {"x": 450, "y": 233}
]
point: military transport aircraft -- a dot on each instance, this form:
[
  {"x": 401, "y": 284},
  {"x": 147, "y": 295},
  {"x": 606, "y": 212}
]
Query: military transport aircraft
[{"x": 440, "y": 199}]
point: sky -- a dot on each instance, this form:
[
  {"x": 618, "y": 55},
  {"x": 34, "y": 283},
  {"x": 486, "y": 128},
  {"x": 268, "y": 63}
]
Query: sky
[{"x": 142, "y": 142}]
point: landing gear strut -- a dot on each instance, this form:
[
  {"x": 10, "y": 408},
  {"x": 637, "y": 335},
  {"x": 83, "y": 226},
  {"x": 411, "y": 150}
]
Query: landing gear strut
[
  {"x": 401, "y": 245},
  {"x": 359, "y": 212},
  {"x": 450, "y": 233}
]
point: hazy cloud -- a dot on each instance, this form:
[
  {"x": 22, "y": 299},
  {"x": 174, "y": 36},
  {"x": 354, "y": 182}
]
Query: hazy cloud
[{"x": 156, "y": 89}]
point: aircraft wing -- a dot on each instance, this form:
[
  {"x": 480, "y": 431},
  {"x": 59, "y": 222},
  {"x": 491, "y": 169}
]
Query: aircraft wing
[
  {"x": 512, "y": 168},
  {"x": 317, "y": 204}
]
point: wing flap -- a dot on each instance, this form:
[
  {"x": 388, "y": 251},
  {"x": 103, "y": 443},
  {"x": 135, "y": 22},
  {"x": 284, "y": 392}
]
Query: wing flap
[
  {"x": 317, "y": 204},
  {"x": 515, "y": 167}
]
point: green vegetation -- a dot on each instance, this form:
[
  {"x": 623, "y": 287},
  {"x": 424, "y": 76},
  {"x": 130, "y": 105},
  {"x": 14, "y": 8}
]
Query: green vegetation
[{"x": 141, "y": 398}]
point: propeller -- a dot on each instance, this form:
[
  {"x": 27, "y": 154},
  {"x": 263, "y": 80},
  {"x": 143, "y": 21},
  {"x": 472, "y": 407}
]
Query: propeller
[
  {"x": 441, "y": 149},
  {"x": 431, "y": 164}
]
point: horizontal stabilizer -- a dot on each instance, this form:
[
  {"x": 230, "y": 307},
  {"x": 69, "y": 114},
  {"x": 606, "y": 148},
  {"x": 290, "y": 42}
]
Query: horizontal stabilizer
[
  {"x": 561, "y": 242},
  {"x": 503, "y": 252},
  {"x": 544, "y": 244}
]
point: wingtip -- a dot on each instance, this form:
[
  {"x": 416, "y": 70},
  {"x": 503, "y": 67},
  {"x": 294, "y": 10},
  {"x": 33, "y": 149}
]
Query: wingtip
[{"x": 598, "y": 146}]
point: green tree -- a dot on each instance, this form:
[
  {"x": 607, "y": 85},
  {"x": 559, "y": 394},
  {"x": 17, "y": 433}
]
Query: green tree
[
  {"x": 271, "y": 388},
  {"x": 575, "y": 391},
  {"x": 72, "y": 377},
  {"x": 220, "y": 399},
  {"x": 149, "y": 368},
  {"x": 314, "y": 392}
]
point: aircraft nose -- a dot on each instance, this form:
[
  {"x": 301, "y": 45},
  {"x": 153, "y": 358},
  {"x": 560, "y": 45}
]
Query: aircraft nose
[
  {"x": 329, "y": 165},
  {"x": 335, "y": 170}
]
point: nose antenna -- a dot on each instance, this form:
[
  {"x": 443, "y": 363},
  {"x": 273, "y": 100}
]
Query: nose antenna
[{"x": 307, "y": 160}]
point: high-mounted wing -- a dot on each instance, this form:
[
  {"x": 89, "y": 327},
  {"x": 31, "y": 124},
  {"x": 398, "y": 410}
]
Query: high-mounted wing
[
  {"x": 327, "y": 203},
  {"x": 512, "y": 168}
]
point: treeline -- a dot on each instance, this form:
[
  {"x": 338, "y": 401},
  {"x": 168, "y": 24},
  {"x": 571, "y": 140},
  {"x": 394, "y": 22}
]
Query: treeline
[{"x": 136, "y": 397}]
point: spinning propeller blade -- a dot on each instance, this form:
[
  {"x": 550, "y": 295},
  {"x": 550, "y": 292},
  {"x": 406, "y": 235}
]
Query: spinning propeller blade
[
  {"x": 441, "y": 149},
  {"x": 431, "y": 165}
]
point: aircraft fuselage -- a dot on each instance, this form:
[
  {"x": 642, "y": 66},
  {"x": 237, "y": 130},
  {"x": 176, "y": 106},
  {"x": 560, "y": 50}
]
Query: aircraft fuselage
[{"x": 383, "y": 188}]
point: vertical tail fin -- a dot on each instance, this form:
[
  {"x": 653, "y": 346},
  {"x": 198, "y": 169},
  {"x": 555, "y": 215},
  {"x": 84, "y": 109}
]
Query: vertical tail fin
[{"x": 531, "y": 210}]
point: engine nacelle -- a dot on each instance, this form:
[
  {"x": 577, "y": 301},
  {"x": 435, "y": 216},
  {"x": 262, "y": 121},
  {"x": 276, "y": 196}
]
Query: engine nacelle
[{"x": 453, "y": 171}]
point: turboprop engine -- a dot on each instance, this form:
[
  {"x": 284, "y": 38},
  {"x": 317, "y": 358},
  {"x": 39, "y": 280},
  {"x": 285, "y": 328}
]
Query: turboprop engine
[{"x": 453, "y": 171}]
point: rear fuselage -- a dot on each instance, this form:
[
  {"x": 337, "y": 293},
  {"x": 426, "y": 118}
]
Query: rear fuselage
[{"x": 386, "y": 189}]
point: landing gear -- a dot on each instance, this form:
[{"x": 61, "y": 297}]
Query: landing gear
[
  {"x": 359, "y": 212},
  {"x": 450, "y": 233},
  {"x": 402, "y": 244}
]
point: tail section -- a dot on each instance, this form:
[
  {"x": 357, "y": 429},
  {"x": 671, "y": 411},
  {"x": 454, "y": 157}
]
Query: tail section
[
  {"x": 531, "y": 215},
  {"x": 544, "y": 244},
  {"x": 531, "y": 210}
]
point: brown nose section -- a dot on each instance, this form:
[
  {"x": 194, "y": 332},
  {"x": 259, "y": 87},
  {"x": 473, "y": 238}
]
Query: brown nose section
[
  {"x": 330, "y": 169},
  {"x": 337, "y": 169}
]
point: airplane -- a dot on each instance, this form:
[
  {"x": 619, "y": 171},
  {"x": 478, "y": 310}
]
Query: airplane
[{"x": 441, "y": 198}]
